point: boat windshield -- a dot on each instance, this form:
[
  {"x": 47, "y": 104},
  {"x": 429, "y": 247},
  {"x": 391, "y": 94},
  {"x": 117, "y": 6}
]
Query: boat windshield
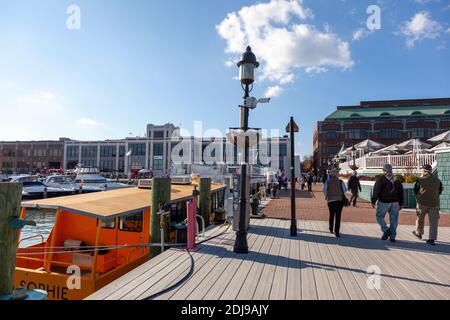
[
  {"x": 61, "y": 180},
  {"x": 32, "y": 184}
]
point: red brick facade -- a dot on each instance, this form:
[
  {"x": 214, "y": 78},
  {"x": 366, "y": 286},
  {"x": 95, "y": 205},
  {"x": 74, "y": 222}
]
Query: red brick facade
[
  {"x": 31, "y": 156},
  {"x": 330, "y": 134}
]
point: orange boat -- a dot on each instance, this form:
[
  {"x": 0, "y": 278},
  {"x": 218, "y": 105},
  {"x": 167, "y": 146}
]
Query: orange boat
[{"x": 97, "y": 238}]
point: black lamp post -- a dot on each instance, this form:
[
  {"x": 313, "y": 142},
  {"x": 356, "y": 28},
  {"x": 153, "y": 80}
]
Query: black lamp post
[{"x": 247, "y": 67}]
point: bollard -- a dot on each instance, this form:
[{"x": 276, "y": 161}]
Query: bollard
[
  {"x": 45, "y": 193},
  {"x": 10, "y": 195},
  {"x": 205, "y": 199},
  {"x": 191, "y": 224},
  {"x": 161, "y": 190}
]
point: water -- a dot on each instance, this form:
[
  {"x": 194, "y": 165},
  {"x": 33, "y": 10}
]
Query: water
[{"x": 45, "y": 219}]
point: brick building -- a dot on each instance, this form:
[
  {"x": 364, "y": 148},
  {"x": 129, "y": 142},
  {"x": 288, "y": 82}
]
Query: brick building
[
  {"x": 31, "y": 156},
  {"x": 387, "y": 122}
]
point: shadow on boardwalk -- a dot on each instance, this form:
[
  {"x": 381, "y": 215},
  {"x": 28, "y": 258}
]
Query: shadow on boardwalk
[{"x": 354, "y": 241}]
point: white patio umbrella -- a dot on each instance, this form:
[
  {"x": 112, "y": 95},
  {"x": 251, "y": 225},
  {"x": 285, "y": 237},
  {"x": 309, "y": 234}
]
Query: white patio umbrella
[
  {"x": 443, "y": 137},
  {"x": 442, "y": 145},
  {"x": 414, "y": 144},
  {"x": 369, "y": 145},
  {"x": 389, "y": 150}
]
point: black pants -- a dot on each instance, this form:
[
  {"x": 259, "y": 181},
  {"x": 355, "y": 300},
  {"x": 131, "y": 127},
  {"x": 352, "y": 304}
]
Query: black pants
[
  {"x": 354, "y": 197},
  {"x": 309, "y": 186},
  {"x": 335, "y": 209}
]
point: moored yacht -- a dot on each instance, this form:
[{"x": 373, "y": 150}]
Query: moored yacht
[
  {"x": 91, "y": 177},
  {"x": 67, "y": 182},
  {"x": 35, "y": 189}
]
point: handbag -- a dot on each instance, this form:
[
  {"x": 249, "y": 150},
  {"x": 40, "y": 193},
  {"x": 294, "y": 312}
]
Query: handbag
[{"x": 345, "y": 201}]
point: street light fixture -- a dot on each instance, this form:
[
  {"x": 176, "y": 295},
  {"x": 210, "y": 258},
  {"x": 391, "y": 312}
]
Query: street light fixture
[{"x": 247, "y": 67}]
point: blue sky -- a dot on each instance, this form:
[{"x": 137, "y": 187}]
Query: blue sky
[{"x": 138, "y": 62}]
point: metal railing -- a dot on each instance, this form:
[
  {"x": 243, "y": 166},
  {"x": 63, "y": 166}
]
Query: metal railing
[{"x": 397, "y": 161}]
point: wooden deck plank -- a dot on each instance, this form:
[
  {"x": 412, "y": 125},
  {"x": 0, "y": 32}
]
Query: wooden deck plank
[
  {"x": 235, "y": 284},
  {"x": 308, "y": 282},
  {"x": 324, "y": 290},
  {"x": 202, "y": 268},
  {"x": 220, "y": 262},
  {"x": 390, "y": 260},
  {"x": 293, "y": 288},
  {"x": 336, "y": 283},
  {"x": 421, "y": 273},
  {"x": 314, "y": 265},
  {"x": 279, "y": 284},
  {"x": 350, "y": 282},
  {"x": 251, "y": 282},
  {"x": 264, "y": 286},
  {"x": 216, "y": 291}
]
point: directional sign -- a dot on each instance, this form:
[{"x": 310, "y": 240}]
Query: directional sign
[{"x": 294, "y": 126}]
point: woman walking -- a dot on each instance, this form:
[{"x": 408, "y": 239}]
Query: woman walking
[{"x": 334, "y": 191}]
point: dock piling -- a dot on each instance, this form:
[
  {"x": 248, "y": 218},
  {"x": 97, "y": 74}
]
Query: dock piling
[
  {"x": 161, "y": 190},
  {"x": 205, "y": 199},
  {"x": 10, "y": 195}
]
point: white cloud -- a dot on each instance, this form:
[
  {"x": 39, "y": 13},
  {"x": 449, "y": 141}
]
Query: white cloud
[
  {"x": 281, "y": 40},
  {"x": 274, "y": 91},
  {"x": 317, "y": 70},
  {"x": 88, "y": 122},
  {"x": 420, "y": 27}
]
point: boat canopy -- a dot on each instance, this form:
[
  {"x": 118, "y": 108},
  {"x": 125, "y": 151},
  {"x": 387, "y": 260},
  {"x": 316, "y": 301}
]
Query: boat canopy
[{"x": 113, "y": 203}]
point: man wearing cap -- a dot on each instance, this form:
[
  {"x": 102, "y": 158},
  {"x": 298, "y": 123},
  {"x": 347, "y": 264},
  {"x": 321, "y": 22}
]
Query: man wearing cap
[
  {"x": 427, "y": 189},
  {"x": 388, "y": 191}
]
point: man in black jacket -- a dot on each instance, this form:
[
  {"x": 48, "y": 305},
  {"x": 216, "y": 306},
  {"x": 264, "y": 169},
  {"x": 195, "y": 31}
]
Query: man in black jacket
[
  {"x": 388, "y": 191},
  {"x": 355, "y": 187}
]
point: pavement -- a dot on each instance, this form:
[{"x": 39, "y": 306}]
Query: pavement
[{"x": 312, "y": 206}]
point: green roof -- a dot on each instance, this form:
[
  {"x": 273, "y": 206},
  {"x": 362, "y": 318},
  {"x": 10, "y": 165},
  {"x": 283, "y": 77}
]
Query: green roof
[{"x": 361, "y": 112}]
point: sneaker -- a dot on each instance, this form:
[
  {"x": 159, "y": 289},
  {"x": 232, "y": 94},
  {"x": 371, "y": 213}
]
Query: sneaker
[
  {"x": 417, "y": 235},
  {"x": 431, "y": 242},
  {"x": 386, "y": 234},
  {"x": 337, "y": 235},
  {"x": 392, "y": 240}
]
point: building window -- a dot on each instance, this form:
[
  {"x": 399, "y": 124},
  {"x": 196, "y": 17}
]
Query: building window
[
  {"x": 331, "y": 135},
  {"x": 131, "y": 223},
  {"x": 89, "y": 151},
  {"x": 283, "y": 150},
  {"x": 72, "y": 151},
  {"x": 121, "y": 151},
  {"x": 417, "y": 113},
  {"x": 137, "y": 149},
  {"x": 357, "y": 134},
  {"x": 385, "y": 114},
  {"x": 158, "y": 164},
  {"x": 355, "y": 115},
  {"x": 389, "y": 134},
  {"x": 158, "y": 134},
  {"x": 158, "y": 149},
  {"x": 108, "y": 151},
  {"x": 420, "y": 133}
]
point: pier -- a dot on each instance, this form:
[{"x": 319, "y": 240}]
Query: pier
[{"x": 312, "y": 266}]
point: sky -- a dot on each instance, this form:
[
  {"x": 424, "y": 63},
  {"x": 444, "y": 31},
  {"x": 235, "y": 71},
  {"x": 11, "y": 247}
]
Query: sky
[{"x": 103, "y": 69}]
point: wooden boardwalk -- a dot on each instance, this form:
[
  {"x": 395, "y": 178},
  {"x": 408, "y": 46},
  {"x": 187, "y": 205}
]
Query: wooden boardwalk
[{"x": 314, "y": 265}]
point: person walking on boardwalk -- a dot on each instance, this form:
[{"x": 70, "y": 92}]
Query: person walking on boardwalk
[
  {"x": 334, "y": 190},
  {"x": 355, "y": 187},
  {"x": 427, "y": 189},
  {"x": 309, "y": 180},
  {"x": 388, "y": 191},
  {"x": 302, "y": 182}
]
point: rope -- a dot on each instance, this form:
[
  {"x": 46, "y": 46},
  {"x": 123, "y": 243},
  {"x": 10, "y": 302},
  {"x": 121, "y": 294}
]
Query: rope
[{"x": 191, "y": 269}]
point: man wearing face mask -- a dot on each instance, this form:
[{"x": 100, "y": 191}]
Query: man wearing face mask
[
  {"x": 427, "y": 189},
  {"x": 388, "y": 191}
]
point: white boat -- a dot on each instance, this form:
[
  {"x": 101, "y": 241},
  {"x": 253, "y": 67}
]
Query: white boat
[
  {"x": 67, "y": 182},
  {"x": 33, "y": 188},
  {"x": 90, "y": 176}
]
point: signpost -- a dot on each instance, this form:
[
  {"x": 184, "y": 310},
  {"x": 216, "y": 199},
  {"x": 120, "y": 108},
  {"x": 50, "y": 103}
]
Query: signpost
[{"x": 292, "y": 128}]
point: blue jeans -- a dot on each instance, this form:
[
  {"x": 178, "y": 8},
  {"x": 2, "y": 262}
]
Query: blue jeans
[{"x": 393, "y": 209}]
